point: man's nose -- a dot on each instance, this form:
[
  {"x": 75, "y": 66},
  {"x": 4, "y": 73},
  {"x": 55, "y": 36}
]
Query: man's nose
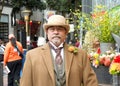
[{"x": 56, "y": 30}]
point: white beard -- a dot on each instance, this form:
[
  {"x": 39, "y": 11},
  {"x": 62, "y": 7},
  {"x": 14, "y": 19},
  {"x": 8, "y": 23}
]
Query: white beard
[{"x": 56, "y": 41}]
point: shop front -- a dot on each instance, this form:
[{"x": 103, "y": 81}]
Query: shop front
[{"x": 33, "y": 32}]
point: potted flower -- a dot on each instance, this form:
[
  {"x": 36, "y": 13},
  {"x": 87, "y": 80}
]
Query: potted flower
[
  {"x": 104, "y": 59},
  {"x": 115, "y": 66},
  {"x": 115, "y": 70},
  {"x": 101, "y": 23},
  {"x": 100, "y": 64},
  {"x": 105, "y": 23}
]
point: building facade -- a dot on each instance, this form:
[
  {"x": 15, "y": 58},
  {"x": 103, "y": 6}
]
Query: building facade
[{"x": 16, "y": 25}]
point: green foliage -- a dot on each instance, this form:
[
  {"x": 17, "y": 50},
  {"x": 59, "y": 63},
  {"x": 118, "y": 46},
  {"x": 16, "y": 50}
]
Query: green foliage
[
  {"x": 17, "y": 4},
  {"x": 100, "y": 21},
  {"x": 60, "y": 5},
  {"x": 80, "y": 20},
  {"x": 105, "y": 23},
  {"x": 30, "y": 4},
  {"x": 35, "y": 4}
]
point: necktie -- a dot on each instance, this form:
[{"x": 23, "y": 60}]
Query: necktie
[{"x": 58, "y": 58}]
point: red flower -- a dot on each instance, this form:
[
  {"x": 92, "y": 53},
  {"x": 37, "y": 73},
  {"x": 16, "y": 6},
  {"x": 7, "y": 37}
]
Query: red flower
[
  {"x": 117, "y": 59},
  {"x": 103, "y": 12},
  {"x": 98, "y": 51},
  {"x": 93, "y": 16}
]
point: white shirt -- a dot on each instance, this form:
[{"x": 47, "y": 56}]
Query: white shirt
[
  {"x": 54, "y": 53},
  {"x": 1, "y": 50}
]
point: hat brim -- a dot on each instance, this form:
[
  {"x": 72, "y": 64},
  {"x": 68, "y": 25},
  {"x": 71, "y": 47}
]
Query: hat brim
[{"x": 45, "y": 26}]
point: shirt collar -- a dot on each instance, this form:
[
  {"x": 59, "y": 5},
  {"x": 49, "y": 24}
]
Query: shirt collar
[{"x": 61, "y": 45}]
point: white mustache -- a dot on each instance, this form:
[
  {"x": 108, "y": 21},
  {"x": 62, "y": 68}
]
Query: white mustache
[{"x": 56, "y": 36}]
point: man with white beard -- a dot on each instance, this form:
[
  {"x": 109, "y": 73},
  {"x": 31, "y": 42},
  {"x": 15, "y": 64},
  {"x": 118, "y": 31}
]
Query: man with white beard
[{"x": 56, "y": 63}]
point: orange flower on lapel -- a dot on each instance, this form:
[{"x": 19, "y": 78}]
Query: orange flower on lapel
[{"x": 72, "y": 49}]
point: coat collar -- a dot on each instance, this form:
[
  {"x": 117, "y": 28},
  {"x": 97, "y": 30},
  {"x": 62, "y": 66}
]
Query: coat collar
[
  {"x": 68, "y": 62},
  {"x": 49, "y": 64}
]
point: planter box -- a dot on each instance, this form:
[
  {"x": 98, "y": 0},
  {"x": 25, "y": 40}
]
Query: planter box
[
  {"x": 116, "y": 80},
  {"x": 106, "y": 46},
  {"x": 103, "y": 76}
]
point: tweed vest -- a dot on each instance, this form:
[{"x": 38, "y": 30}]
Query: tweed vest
[{"x": 59, "y": 71}]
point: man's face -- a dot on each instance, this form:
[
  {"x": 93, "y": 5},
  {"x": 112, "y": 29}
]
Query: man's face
[{"x": 56, "y": 34}]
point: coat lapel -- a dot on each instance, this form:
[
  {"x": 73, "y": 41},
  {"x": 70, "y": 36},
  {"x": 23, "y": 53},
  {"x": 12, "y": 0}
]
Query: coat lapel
[
  {"x": 68, "y": 62},
  {"x": 48, "y": 62}
]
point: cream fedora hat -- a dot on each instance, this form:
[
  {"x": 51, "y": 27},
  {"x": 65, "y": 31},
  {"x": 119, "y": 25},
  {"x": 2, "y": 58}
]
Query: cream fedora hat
[{"x": 56, "y": 20}]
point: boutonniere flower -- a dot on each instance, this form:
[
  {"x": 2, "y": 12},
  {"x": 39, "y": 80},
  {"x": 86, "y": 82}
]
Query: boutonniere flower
[{"x": 72, "y": 49}]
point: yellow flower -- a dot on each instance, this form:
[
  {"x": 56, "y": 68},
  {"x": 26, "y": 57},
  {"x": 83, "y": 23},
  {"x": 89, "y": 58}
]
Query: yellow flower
[
  {"x": 118, "y": 67},
  {"x": 113, "y": 66},
  {"x": 96, "y": 55},
  {"x": 96, "y": 62},
  {"x": 73, "y": 49}
]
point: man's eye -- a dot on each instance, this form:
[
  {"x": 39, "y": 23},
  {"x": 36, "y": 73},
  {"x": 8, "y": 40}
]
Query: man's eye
[{"x": 52, "y": 29}]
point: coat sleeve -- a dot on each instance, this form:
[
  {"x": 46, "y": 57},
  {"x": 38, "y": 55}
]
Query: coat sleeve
[
  {"x": 26, "y": 78},
  {"x": 89, "y": 76}
]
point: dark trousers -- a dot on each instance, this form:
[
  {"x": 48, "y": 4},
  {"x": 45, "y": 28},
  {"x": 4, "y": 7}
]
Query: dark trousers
[{"x": 14, "y": 75}]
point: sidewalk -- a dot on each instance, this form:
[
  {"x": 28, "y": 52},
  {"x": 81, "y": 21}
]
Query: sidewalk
[
  {"x": 104, "y": 85},
  {"x": 5, "y": 82}
]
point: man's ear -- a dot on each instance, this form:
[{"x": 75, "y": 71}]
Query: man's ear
[
  {"x": 46, "y": 32},
  {"x": 66, "y": 32}
]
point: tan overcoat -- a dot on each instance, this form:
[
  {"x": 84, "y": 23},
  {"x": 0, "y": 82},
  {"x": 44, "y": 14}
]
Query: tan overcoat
[{"x": 39, "y": 71}]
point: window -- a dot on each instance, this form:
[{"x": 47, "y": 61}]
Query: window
[{"x": 4, "y": 29}]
